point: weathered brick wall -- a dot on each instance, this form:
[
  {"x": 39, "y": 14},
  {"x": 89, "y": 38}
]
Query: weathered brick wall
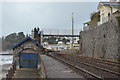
[{"x": 102, "y": 42}]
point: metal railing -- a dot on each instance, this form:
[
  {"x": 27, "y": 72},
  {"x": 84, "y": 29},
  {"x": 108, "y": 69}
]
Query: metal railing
[
  {"x": 61, "y": 31},
  {"x": 10, "y": 73}
]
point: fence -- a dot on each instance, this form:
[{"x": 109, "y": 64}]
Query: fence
[{"x": 10, "y": 73}]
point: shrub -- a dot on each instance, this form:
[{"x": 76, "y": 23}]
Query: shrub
[{"x": 118, "y": 20}]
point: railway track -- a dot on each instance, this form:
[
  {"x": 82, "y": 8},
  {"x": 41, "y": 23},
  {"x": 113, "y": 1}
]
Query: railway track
[
  {"x": 100, "y": 61},
  {"x": 89, "y": 69},
  {"x": 112, "y": 67}
]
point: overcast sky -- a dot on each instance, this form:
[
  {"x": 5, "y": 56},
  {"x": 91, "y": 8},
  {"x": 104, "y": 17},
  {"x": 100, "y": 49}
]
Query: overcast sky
[{"x": 24, "y": 16}]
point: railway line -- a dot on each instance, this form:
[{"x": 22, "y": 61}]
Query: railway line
[
  {"x": 112, "y": 67},
  {"x": 88, "y": 67},
  {"x": 100, "y": 61}
]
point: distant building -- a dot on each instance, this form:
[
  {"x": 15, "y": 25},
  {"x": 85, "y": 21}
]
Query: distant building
[
  {"x": 74, "y": 46},
  {"x": 58, "y": 47},
  {"x": 60, "y": 43}
]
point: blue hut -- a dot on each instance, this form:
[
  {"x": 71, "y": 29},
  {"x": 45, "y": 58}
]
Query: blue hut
[{"x": 27, "y": 53}]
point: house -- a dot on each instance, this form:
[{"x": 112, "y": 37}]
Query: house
[
  {"x": 26, "y": 53},
  {"x": 106, "y": 11},
  {"x": 60, "y": 43},
  {"x": 109, "y": 10},
  {"x": 75, "y": 45}
]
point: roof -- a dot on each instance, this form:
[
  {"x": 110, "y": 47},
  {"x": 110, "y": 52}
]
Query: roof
[
  {"x": 118, "y": 11},
  {"x": 105, "y": 3},
  {"x": 86, "y": 22},
  {"x": 28, "y": 38},
  {"x": 114, "y": 4}
]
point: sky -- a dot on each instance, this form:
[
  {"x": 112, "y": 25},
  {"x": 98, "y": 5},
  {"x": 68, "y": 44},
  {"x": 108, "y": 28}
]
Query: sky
[{"x": 23, "y": 16}]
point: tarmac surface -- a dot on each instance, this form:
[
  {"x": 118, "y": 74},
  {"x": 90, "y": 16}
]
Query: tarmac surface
[
  {"x": 55, "y": 69},
  {"x": 27, "y": 73}
]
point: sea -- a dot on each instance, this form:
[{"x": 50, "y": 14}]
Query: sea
[{"x": 5, "y": 64}]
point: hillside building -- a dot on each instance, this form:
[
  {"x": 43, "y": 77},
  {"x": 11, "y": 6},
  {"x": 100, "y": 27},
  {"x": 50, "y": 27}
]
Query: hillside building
[
  {"x": 109, "y": 10},
  {"x": 106, "y": 11}
]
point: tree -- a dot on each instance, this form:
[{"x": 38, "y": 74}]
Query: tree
[
  {"x": 50, "y": 40},
  {"x": 12, "y": 39},
  {"x": 64, "y": 40},
  {"x": 20, "y": 36},
  {"x": 95, "y": 16}
]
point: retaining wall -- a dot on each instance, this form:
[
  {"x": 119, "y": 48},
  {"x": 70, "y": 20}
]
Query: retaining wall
[{"x": 103, "y": 42}]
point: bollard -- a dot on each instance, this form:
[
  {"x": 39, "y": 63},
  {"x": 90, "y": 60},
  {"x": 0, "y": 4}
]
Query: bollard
[
  {"x": 15, "y": 66},
  {"x": 13, "y": 69},
  {"x": 10, "y": 72},
  {"x": 7, "y": 77}
]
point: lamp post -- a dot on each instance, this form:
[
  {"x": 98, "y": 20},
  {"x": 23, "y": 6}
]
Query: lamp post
[{"x": 72, "y": 30}]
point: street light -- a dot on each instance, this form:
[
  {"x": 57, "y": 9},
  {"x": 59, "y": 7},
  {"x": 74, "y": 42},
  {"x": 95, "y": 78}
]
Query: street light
[{"x": 72, "y": 30}]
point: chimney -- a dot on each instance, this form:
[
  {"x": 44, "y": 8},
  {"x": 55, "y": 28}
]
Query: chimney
[
  {"x": 32, "y": 34},
  {"x": 37, "y": 35}
]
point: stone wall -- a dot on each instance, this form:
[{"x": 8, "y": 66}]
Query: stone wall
[{"x": 103, "y": 42}]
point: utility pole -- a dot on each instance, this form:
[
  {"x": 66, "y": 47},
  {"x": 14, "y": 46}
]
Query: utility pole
[{"x": 72, "y": 30}]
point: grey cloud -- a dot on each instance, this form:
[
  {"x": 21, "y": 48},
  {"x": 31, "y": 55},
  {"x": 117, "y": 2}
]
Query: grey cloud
[{"x": 25, "y": 16}]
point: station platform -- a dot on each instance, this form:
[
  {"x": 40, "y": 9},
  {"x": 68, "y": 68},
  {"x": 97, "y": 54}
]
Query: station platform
[
  {"x": 55, "y": 69},
  {"x": 26, "y": 73}
]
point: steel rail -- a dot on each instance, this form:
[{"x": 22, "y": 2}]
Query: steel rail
[
  {"x": 113, "y": 72},
  {"x": 103, "y": 61}
]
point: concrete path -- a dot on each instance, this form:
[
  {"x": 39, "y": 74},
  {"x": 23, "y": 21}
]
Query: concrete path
[
  {"x": 27, "y": 73},
  {"x": 55, "y": 69}
]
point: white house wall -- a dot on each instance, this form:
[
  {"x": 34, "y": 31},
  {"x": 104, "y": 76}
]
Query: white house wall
[{"x": 104, "y": 10}]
